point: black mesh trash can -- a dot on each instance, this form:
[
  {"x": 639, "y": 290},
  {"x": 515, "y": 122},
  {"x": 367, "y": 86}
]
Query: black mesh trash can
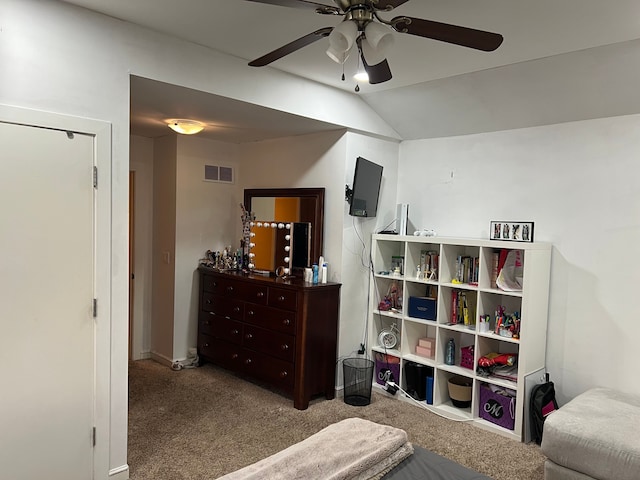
[{"x": 358, "y": 374}]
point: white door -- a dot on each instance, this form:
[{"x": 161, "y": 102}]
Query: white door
[{"x": 47, "y": 331}]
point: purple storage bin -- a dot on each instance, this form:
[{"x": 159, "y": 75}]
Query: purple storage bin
[
  {"x": 497, "y": 408},
  {"x": 384, "y": 363}
]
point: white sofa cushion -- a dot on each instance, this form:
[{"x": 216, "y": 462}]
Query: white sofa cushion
[{"x": 597, "y": 433}]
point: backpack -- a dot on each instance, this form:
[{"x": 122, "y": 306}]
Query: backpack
[{"x": 542, "y": 403}]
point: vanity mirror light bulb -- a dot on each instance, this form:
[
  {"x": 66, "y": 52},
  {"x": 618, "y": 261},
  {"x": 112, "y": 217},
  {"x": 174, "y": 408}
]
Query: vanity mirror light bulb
[
  {"x": 251, "y": 265},
  {"x": 251, "y": 244},
  {"x": 281, "y": 225},
  {"x": 251, "y": 224},
  {"x": 251, "y": 255},
  {"x": 274, "y": 225},
  {"x": 287, "y": 248},
  {"x": 287, "y": 237},
  {"x": 288, "y": 226},
  {"x": 286, "y": 259},
  {"x": 286, "y": 271}
]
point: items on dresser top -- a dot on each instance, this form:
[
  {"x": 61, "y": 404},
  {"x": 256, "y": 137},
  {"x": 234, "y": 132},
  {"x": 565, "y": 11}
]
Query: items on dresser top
[{"x": 281, "y": 332}]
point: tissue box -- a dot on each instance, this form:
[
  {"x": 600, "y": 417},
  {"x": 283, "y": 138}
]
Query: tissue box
[
  {"x": 424, "y": 352},
  {"x": 427, "y": 342},
  {"x": 422, "y": 307}
]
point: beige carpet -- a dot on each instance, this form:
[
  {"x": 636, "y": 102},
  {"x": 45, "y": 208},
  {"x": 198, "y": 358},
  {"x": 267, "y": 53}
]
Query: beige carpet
[{"x": 201, "y": 423}]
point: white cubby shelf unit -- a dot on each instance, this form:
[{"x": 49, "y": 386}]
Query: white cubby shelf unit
[{"x": 483, "y": 298}]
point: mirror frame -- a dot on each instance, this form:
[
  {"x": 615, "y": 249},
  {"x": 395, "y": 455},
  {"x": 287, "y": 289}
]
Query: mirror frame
[{"x": 317, "y": 225}]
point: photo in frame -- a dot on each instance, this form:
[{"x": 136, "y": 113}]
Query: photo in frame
[{"x": 511, "y": 231}]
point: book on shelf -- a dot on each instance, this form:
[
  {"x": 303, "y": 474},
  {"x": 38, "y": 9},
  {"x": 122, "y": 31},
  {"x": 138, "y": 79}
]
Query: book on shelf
[
  {"x": 463, "y": 308},
  {"x": 428, "y": 266},
  {"x": 467, "y": 269}
]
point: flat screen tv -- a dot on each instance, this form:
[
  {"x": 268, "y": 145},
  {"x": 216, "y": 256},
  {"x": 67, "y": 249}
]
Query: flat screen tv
[{"x": 366, "y": 188}]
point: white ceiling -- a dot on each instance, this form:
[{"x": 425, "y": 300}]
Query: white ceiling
[{"x": 246, "y": 29}]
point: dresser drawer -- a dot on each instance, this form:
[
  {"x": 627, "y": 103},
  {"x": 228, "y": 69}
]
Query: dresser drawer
[
  {"x": 223, "y": 306},
  {"x": 276, "y": 372},
  {"x": 281, "y": 298},
  {"x": 256, "y": 294},
  {"x": 228, "y": 330},
  {"x": 227, "y": 355},
  {"x": 273, "y": 318},
  {"x": 266, "y": 341},
  {"x": 213, "y": 284}
]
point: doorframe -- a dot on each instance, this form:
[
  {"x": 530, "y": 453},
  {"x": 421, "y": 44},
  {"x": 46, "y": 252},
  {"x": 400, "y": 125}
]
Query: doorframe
[{"x": 101, "y": 133}]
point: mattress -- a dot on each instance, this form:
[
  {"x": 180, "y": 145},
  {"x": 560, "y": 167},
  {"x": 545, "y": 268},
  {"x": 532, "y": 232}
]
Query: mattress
[{"x": 424, "y": 464}]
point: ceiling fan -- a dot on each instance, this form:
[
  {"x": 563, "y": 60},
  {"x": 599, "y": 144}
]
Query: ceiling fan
[{"x": 363, "y": 29}]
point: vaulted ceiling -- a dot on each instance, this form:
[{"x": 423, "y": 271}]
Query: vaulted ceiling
[{"x": 437, "y": 89}]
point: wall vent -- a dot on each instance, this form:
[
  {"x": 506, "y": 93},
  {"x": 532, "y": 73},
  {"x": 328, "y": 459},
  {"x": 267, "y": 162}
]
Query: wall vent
[{"x": 215, "y": 173}]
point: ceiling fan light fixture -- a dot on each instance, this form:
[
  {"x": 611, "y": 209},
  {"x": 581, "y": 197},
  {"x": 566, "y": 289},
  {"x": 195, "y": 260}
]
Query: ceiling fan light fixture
[
  {"x": 342, "y": 38},
  {"x": 362, "y": 76},
  {"x": 185, "y": 127},
  {"x": 379, "y": 36},
  {"x": 337, "y": 56},
  {"x": 371, "y": 55}
]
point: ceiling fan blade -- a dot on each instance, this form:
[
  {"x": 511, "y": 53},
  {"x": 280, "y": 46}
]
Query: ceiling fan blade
[
  {"x": 466, "y": 37},
  {"x": 293, "y": 3},
  {"x": 389, "y": 4},
  {"x": 291, "y": 47},
  {"x": 378, "y": 73}
]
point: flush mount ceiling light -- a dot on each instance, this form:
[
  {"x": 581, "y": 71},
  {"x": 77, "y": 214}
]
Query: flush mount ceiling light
[{"x": 185, "y": 127}]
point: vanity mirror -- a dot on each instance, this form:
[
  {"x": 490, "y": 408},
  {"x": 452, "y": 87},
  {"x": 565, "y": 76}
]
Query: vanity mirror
[{"x": 303, "y": 209}]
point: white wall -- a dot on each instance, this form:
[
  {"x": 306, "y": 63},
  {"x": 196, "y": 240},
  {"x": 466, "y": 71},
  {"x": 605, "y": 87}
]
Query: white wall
[
  {"x": 141, "y": 151},
  {"x": 328, "y": 160},
  {"x": 207, "y": 218},
  {"x": 163, "y": 253},
  {"x": 356, "y": 237},
  {"x": 580, "y": 183}
]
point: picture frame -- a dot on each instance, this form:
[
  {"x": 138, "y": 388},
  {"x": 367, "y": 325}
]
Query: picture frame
[{"x": 511, "y": 231}]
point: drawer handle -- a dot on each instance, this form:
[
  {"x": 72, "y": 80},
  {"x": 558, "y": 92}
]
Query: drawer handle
[
  {"x": 248, "y": 336},
  {"x": 234, "y": 332},
  {"x": 234, "y": 356},
  {"x": 281, "y": 298},
  {"x": 206, "y": 322},
  {"x": 206, "y": 345},
  {"x": 215, "y": 284},
  {"x": 248, "y": 361},
  {"x": 229, "y": 289},
  {"x": 283, "y": 374},
  {"x": 286, "y": 322},
  {"x": 284, "y": 347},
  {"x": 260, "y": 294},
  {"x": 211, "y": 313},
  {"x": 236, "y": 309},
  {"x": 251, "y": 313},
  {"x": 208, "y": 302}
]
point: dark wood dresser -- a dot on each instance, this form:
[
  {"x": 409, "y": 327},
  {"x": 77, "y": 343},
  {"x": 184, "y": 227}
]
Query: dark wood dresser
[{"x": 281, "y": 332}]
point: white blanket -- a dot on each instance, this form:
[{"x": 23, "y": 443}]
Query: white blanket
[{"x": 353, "y": 449}]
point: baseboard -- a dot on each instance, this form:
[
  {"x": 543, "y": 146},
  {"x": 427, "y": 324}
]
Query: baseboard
[
  {"x": 145, "y": 355},
  {"x": 158, "y": 357},
  {"x": 119, "y": 473}
]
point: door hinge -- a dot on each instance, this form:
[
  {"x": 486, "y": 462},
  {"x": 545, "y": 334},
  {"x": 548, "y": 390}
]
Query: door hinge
[
  {"x": 94, "y": 436},
  {"x": 95, "y": 307},
  {"x": 95, "y": 177}
]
